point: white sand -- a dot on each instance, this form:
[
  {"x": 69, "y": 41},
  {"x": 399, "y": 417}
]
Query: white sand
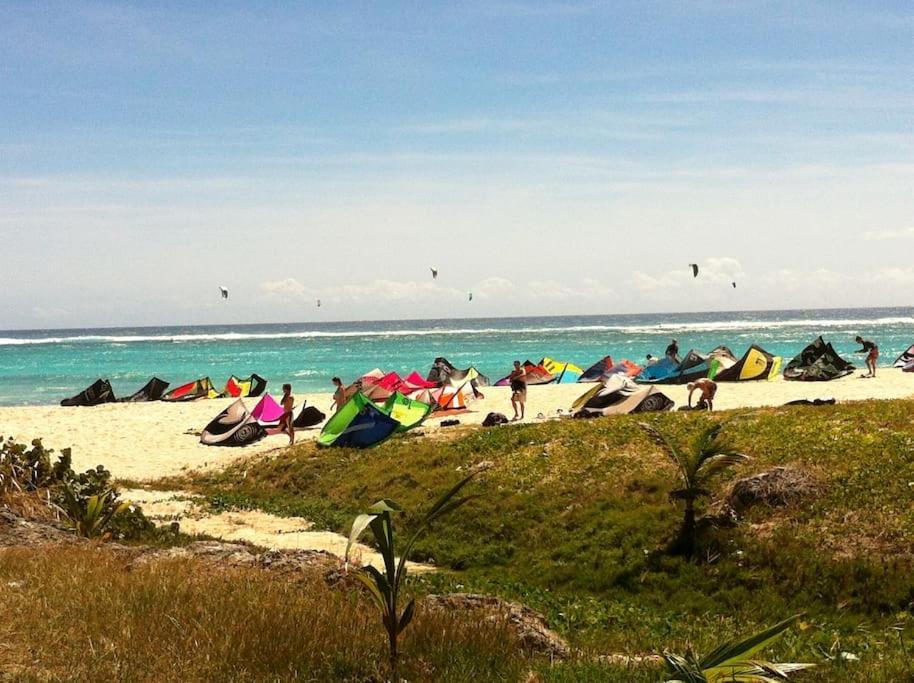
[
  {"x": 251, "y": 526},
  {"x": 145, "y": 441}
]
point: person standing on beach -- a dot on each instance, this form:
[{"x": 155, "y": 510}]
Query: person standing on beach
[
  {"x": 672, "y": 351},
  {"x": 339, "y": 395},
  {"x": 285, "y": 422},
  {"x": 518, "y": 379},
  {"x": 708, "y": 389},
  {"x": 872, "y": 355}
]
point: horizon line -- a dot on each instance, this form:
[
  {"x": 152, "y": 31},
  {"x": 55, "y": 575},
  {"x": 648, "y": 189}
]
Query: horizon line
[{"x": 456, "y": 319}]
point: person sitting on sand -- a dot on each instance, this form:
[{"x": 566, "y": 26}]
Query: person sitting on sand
[
  {"x": 285, "y": 422},
  {"x": 518, "y": 379},
  {"x": 339, "y": 395},
  {"x": 672, "y": 351},
  {"x": 708, "y": 389},
  {"x": 872, "y": 355}
]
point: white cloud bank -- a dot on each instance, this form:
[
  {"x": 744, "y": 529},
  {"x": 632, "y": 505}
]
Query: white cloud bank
[{"x": 882, "y": 235}]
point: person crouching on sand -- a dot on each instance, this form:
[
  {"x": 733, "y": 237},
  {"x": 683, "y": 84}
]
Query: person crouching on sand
[
  {"x": 339, "y": 394},
  {"x": 518, "y": 379},
  {"x": 285, "y": 422},
  {"x": 872, "y": 355},
  {"x": 708, "y": 389}
]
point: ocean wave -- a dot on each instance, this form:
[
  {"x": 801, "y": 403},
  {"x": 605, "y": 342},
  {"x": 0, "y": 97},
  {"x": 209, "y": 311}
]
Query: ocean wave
[{"x": 656, "y": 328}]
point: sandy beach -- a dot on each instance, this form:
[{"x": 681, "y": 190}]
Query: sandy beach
[{"x": 150, "y": 440}]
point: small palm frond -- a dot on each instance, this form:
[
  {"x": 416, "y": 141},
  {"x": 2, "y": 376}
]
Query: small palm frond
[
  {"x": 754, "y": 672},
  {"x": 717, "y": 462},
  {"x": 732, "y": 661},
  {"x": 682, "y": 670},
  {"x": 731, "y": 653},
  {"x": 707, "y": 438},
  {"x": 668, "y": 448}
]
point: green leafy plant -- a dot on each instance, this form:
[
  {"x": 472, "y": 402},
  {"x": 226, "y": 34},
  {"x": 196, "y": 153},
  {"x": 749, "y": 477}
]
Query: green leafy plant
[
  {"x": 732, "y": 661},
  {"x": 91, "y": 515},
  {"x": 384, "y": 587},
  {"x": 24, "y": 468},
  {"x": 707, "y": 456}
]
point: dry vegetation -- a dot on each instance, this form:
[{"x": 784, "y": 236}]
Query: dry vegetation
[{"x": 79, "y": 613}]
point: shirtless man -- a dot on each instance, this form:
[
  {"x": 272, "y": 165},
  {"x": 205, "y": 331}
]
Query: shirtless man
[
  {"x": 672, "y": 351},
  {"x": 518, "y": 378},
  {"x": 872, "y": 355},
  {"x": 708, "y": 389},
  {"x": 285, "y": 422}
]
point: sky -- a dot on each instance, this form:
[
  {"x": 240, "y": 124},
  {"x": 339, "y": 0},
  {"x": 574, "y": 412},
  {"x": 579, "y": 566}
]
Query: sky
[{"x": 553, "y": 157}]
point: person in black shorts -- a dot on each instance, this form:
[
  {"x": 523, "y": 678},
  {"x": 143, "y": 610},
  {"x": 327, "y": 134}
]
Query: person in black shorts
[
  {"x": 872, "y": 355},
  {"x": 672, "y": 351},
  {"x": 518, "y": 378}
]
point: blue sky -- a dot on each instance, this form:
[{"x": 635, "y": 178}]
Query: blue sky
[{"x": 550, "y": 157}]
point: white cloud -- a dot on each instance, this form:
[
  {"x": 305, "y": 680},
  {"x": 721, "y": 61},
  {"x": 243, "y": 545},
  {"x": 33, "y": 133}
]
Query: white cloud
[
  {"x": 899, "y": 277},
  {"x": 374, "y": 294},
  {"x": 288, "y": 289},
  {"x": 880, "y": 235},
  {"x": 810, "y": 281},
  {"x": 718, "y": 271},
  {"x": 587, "y": 288},
  {"x": 494, "y": 288}
]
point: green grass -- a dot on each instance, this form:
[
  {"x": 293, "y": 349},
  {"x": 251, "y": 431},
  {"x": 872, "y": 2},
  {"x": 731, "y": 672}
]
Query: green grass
[{"x": 571, "y": 514}]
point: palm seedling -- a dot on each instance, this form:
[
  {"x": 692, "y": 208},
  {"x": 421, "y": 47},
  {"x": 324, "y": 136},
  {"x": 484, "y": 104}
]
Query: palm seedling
[
  {"x": 734, "y": 661},
  {"x": 384, "y": 586},
  {"x": 706, "y": 457},
  {"x": 91, "y": 516}
]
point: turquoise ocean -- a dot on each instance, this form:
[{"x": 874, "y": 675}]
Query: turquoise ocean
[{"x": 43, "y": 366}]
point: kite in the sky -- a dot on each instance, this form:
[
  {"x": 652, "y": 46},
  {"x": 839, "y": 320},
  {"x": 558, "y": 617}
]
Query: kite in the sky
[
  {"x": 471, "y": 297},
  {"x": 434, "y": 273},
  {"x": 318, "y": 303},
  {"x": 694, "y": 267},
  {"x": 734, "y": 285},
  {"x": 224, "y": 292}
]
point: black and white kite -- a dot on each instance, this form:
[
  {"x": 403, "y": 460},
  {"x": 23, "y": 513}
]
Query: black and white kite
[
  {"x": 223, "y": 291},
  {"x": 434, "y": 273},
  {"x": 694, "y": 267}
]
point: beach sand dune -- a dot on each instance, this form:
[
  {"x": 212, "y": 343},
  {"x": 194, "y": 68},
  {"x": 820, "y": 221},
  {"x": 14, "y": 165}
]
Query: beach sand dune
[{"x": 146, "y": 441}]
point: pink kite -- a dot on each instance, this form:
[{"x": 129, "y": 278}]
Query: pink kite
[
  {"x": 391, "y": 381},
  {"x": 414, "y": 382},
  {"x": 267, "y": 410}
]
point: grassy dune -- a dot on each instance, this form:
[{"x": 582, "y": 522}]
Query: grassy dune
[
  {"x": 78, "y": 614},
  {"x": 571, "y": 514}
]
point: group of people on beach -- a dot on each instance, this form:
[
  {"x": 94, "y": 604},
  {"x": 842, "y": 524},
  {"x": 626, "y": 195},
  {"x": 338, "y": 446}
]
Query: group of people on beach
[{"x": 706, "y": 388}]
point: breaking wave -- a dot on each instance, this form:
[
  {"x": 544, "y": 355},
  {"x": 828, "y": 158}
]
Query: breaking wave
[{"x": 652, "y": 328}]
